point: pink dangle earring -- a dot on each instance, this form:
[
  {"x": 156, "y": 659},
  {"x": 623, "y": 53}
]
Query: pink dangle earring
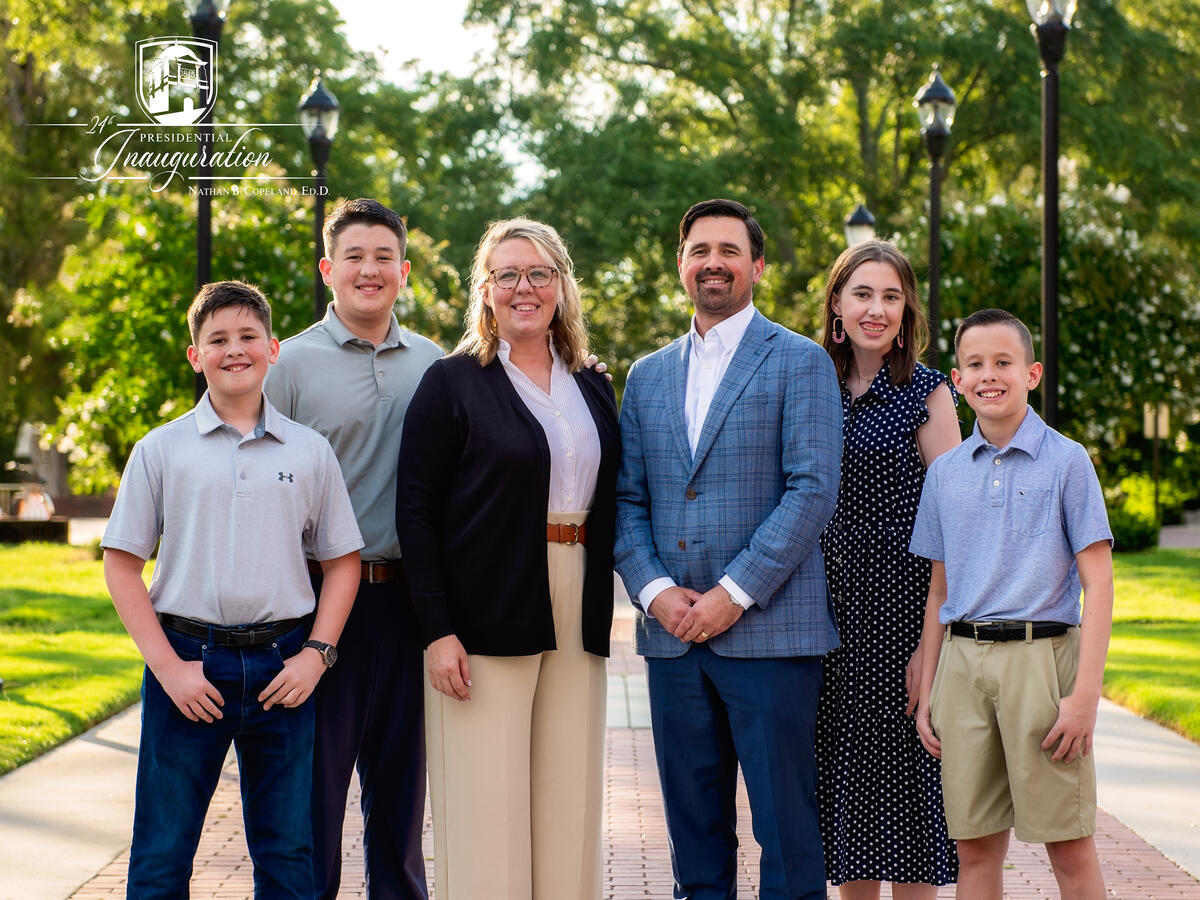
[
  {"x": 900, "y": 339},
  {"x": 838, "y": 334}
]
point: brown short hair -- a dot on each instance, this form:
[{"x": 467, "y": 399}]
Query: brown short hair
[
  {"x": 362, "y": 211},
  {"x": 996, "y": 317},
  {"x": 219, "y": 294}
]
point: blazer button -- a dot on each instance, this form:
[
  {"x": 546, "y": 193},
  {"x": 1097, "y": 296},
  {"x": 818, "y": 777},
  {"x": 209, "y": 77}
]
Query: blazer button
[
  {"x": 683, "y": 545},
  {"x": 691, "y": 493}
]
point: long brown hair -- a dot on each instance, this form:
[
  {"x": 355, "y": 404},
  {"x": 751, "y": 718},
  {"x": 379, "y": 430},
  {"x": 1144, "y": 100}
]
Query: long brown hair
[{"x": 914, "y": 329}]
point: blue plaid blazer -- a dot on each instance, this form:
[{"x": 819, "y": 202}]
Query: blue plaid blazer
[{"x": 753, "y": 501}]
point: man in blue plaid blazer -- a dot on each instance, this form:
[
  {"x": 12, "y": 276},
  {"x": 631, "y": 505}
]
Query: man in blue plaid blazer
[{"x": 731, "y": 448}]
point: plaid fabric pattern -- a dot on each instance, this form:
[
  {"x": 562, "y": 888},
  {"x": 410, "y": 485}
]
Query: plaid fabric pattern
[{"x": 751, "y": 504}]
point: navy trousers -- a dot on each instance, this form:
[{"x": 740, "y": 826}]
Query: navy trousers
[
  {"x": 370, "y": 713},
  {"x": 711, "y": 713}
]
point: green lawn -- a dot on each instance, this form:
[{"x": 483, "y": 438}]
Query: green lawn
[
  {"x": 1154, "y": 660},
  {"x": 65, "y": 658},
  {"x": 67, "y": 662}
]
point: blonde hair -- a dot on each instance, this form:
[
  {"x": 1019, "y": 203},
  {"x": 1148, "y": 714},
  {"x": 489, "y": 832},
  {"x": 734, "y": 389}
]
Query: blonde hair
[{"x": 567, "y": 329}]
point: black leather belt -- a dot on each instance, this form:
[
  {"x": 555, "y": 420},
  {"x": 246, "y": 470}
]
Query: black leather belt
[
  {"x": 993, "y": 632},
  {"x": 223, "y": 636}
]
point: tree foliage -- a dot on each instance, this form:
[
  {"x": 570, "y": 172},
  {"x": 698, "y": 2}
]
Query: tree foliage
[
  {"x": 637, "y": 108},
  {"x": 629, "y": 110},
  {"x": 96, "y": 276}
]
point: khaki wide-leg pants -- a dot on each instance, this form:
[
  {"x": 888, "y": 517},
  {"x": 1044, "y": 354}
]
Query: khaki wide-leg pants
[{"x": 516, "y": 772}]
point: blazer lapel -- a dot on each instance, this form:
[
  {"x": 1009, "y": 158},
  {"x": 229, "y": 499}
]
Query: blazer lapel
[
  {"x": 752, "y": 350},
  {"x": 676, "y": 397}
]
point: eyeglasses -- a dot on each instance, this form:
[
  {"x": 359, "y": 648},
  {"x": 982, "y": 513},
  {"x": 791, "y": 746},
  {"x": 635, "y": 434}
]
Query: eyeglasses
[{"x": 508, "y": 279}]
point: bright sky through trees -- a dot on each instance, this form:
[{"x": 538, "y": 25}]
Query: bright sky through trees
[{"x": 430, "y": 33}]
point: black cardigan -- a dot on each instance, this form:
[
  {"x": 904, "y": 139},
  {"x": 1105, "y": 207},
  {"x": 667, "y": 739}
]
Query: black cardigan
[{"x": 472, "y": 484}]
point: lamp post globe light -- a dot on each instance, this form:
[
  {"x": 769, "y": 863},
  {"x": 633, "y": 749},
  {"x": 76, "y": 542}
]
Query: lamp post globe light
[
  {"x": 859, "y": 226},
  {"x": 207, "y": 20},
  {"x": 1051, "y": 22},
  {"x": 319, "y": 118},
  {"x": 935, "y": 105}
]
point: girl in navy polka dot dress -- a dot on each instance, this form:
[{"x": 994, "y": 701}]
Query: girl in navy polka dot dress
[{"x": 880, "y": 793}]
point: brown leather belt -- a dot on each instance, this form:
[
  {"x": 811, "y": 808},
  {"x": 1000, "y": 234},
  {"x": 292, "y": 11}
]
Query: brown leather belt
[
  {"x": 569, "y": 533},
  {"x": 372, "y": 572}
]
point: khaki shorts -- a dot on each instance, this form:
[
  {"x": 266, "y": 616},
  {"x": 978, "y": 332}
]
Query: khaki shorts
[{"x": 992, "y": 705}]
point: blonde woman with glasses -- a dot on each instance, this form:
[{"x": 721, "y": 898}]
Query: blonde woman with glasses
[{"x": 505, "y": 510}]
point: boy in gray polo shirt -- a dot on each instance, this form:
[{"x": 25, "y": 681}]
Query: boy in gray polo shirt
[
  {"x": 1014, "y": 522},
  {"x": 237, "y": 493}
]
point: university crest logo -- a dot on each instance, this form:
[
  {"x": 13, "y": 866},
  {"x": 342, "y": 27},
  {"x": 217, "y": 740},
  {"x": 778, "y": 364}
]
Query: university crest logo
[{"x": 176, "y": 79}]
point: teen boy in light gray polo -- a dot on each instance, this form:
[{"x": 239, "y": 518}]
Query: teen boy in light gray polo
[
  {"x": 237, "y": 494},
  {"x": 1014, "y": 521}
]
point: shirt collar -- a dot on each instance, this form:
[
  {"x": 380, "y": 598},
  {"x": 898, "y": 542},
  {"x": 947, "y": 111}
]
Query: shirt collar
[
  {"x": 1029, "y": 436},
  {"x": 270, "y": 422},
  {"x": 343, "y": 335},
  {"x": 207, "y": 420},
  {"x": 504, "y": 350},
  {"x": 729, "y": 332}
]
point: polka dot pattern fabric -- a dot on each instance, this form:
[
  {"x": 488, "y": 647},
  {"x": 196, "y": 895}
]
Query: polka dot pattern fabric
[{"x": 879, "y": 791}]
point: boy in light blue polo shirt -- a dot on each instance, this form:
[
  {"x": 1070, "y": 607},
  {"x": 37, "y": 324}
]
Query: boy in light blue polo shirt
[
  {"x": 1014, "y": 522},
  {"x": 237, "y": 493}
]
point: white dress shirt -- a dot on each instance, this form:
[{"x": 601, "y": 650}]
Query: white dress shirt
[
  {"x": 570, "y": 432},
  {"x": 708, "y": 362}
]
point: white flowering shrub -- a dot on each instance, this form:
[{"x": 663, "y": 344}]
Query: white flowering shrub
[{"x": 1129, "y": 315}]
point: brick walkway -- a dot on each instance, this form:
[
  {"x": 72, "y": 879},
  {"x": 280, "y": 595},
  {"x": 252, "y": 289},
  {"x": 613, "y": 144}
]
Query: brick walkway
[{"x": 636, "y": 859}]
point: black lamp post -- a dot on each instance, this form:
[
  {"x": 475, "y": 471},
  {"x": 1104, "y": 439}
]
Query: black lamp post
[
  {"x": 207, "y": 20},
  {"x": 319, "y": 118},
  {"x": 935, "y": 108},
  {"x": 1051, "y": 22},
  {"x": 859, "y": 226}
]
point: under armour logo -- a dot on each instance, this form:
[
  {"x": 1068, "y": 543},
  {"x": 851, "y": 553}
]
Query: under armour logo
[{"x": 287, "y": 477}]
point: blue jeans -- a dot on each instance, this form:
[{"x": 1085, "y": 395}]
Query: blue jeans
[{"x": 179, "y": 762}]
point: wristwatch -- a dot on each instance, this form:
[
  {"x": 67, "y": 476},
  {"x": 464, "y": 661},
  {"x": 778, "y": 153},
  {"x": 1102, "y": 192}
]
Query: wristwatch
[{"x": 328, "y": 651}]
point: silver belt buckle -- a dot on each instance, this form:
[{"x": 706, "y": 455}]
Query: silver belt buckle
[
  {"x": 978, "y": 639},
  {"x": 371, "y": 572}
]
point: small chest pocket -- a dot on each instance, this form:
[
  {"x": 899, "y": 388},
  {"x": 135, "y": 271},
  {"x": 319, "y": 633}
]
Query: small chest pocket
[{"x": 1030, "y": 510}]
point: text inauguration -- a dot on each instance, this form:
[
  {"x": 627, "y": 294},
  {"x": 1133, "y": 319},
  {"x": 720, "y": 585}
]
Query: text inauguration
[{"x": 164, "y": 166}]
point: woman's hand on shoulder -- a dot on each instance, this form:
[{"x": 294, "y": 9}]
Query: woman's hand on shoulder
[
  {"x": 449, "y": 669},
  {"x": 593, "y": 362}
]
